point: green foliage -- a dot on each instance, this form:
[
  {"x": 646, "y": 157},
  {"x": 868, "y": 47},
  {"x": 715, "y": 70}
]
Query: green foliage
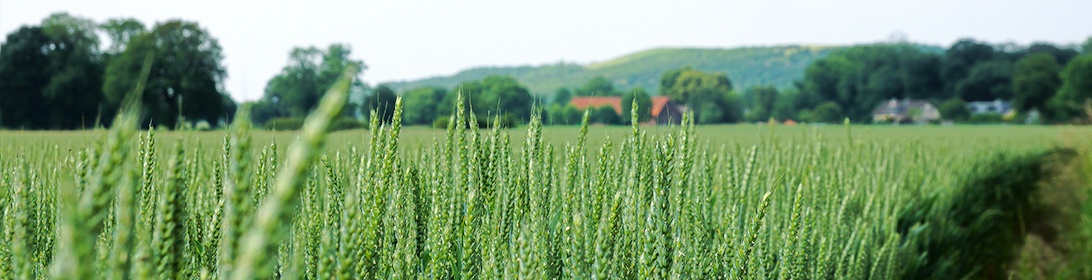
[
  {"x": 52, "y": 75},
  {"x": 491, "y": 96},
  {"x": 597, "y": 86},
  {"x": 861, "y": 77},
  {"x": 708, "y": 95},
  {"x": 121, "y": 31},
  {"x": 1076, "y": 90},
  {"x": 826, "y": 112},
  {"x": 296, "y": 90},
  {"x": 986, "y": 118},
  {"x": 567, "y": 114},
  {"x": 987, "y": 81},
  {"x": 605, "y": 115},
  {"x": 422, "y": 105},
  {"x": 778, "y": 66},
  {"x": 980, "y": 223},
  {"x": 954, "y": 109},
  {"x": 764, "y": 99},
  {"x": 1034, "y": 81},
  {"x": 186, "y": 80},
  {"x": 380, "y": 104},
  {"x": 562, "y": 96},
  {"x": 794, "y": 203}
]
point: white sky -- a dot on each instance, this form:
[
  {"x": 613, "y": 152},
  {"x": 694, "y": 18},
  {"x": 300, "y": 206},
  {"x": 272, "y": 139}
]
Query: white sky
[{"x": 409, "y": 39}]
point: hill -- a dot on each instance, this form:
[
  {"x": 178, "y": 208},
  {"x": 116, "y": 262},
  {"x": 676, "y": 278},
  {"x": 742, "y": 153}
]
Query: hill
[{"x": 747, "y": 66}]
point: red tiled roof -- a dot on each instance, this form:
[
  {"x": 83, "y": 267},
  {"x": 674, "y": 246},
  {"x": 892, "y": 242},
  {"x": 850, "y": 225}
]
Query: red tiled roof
[
  {"x": 591, "y": 102},
  {"x": 658, "y": 103}
]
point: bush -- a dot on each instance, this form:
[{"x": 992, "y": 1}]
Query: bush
[{"x": 986, "y": 118}]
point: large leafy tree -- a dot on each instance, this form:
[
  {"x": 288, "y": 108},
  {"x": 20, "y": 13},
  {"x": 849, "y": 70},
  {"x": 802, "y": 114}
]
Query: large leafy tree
[
  {"x": 121, "y": 31},
  {"x": 492, "y": 96},
  {"x": 708, "y": 95},
  {"x": 295, "y": 91},
  {"x": 185, "y": 82},
  {"x": 858, "y": 78},
  {"x": 1035, "y": 81},
  {"x": 960, "y": 58},
  {"x": 987, "y": 81},
  {"x": 23, "y": 75},
  {"x": 1076, "y": 91},
  {"x": 50, "y": 76},
  {"x": 597, "y": 86},
  {"x": 421, "y": 104},
  {"x": 763, "y": 100},
  {"x": 381, "y": 102}
]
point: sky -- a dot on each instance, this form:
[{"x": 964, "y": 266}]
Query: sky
[{"x": 411, "y": 39}]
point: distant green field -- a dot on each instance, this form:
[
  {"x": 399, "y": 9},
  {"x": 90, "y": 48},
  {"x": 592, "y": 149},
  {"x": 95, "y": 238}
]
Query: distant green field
[{"x": 778, "y": 66}]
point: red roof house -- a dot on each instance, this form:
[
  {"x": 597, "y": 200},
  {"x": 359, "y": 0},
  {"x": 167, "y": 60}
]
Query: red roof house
[
  {"x": 592, "y": 102},
  {"x": 664, "y": 111}
]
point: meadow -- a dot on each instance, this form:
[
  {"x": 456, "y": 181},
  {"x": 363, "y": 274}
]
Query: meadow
[{"x": 533, "y": 202}]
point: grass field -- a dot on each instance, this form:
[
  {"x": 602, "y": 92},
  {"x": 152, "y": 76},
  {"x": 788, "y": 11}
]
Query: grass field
[{"x": 740, "y": 202}]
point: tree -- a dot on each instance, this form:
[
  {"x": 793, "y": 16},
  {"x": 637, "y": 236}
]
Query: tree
[
  {"x": 74, "y": 91},
  {"x": 1034, "y": 81},
  {"x": 859, "y": 78},
  {"x": 23, "y": 70},
  {"x": 508, "y": 96},
  {"x": 1060, "y": 55},
  {"x": 310, "y": 72},
  {"x": 827, "y": 112},
  {"x": 381, "y": 103},
  {"x": 52, "y": 75},
  {"x": 121, "y": 31},
  {"x": 644, "y": 105},
  {"x": 604, "y": 115},
  {"x": 1086, "y": 48},
  {"x": 987, "y": 81},
  {"x": 708, "y": 95},
  {"x": 420, "y": 105},
  {"x": 598, "y": 86},
  {"x": 764, "y": 99},
  {"x": 563, "y": 96},
  {"x": 960, "y": 58},
  {"x": 954, "y": 109},
  {"x": 492, "y": 96},
  {"x": 185, "y": 82},
  {"x": 1076, "y": 90},
  {"x": 567, "y": 114}
]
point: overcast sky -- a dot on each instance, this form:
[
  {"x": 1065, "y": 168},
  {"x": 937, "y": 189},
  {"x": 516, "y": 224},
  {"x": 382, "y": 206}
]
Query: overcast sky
[{"x": 401, "y": 40}]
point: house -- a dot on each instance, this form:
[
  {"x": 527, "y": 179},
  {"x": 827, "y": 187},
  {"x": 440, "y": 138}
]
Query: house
[
  {"x": 664, "y": 111},
  {"x": 591, "y": 102},
  {"x": 990, "y": 107},
  {"x": 905, "y": 111}
]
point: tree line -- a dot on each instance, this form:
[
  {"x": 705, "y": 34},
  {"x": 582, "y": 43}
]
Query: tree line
[
  {"x": 60, "y": 74},
  {"x": 1050, "y": 80}
]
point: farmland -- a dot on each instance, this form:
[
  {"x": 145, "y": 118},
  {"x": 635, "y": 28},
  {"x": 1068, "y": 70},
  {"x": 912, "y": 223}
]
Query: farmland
[
  {"x": 742, "y": 201},
  {"x": 739, "y": 202}
]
